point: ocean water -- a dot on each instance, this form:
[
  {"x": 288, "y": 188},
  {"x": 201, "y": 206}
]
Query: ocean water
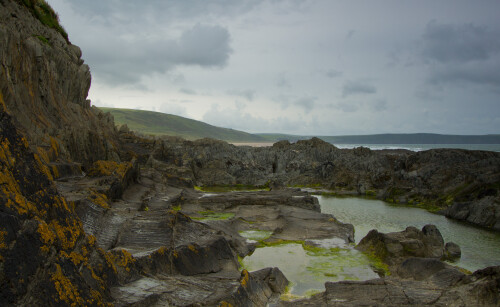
[{"x": 421, "y": 147}]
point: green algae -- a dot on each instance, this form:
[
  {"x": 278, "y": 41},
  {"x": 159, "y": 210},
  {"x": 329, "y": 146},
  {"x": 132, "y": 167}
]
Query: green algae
[{"x": 309, "y": 267}]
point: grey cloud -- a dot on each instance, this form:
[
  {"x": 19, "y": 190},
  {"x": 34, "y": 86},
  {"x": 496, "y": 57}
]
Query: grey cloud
[
  {"x": 283, "y": 81},
  {"x": 447, "y": 43},
  {"x": 332, "y": 73},
  {"x": 468, "y": 74},
  {"x": 350, "y": 34},
  {"x": 306, "y": 102},
  {"x": 463, "y": 54},
  {"x": 379, "y": 105},
  {"x": 120, "y": 61},
  {"x": 236, "y": 119},
  {"x": 247, "y": 94},
  {"x": 173, "y": 108},
  {"x": 120, "y": 12},
  {"x": 187, "y": 91},
  {"x": 204, "y": 46},
  {"x": 357, "y": 88}
]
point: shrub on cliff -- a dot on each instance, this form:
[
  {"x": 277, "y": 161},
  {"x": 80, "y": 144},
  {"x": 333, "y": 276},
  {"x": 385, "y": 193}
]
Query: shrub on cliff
[{"x": 44, "y": 12}]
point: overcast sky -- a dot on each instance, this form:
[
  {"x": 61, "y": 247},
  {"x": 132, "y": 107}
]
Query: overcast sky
[{"x": 318, "y": 67}]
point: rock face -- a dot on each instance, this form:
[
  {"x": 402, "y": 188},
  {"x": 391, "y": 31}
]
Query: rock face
[
  {"x": 393, "y": 248},
  {"x": 462, "y": 184},
  {"x": 45, "y": 85}
]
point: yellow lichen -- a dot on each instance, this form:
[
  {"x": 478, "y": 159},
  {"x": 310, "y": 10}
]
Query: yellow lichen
[
  {"x": 245, "y": 277},
  {"x": 192, "y": 248},
  {"x": 225, "y": 304},
  {"x": 46, "y": 236},
  {"x": 3, "y": 234},
  {"x": 108, "y": 168},
  {"x": 54, "y": 145},
  {"x": 55, "y": 171},
  {"x": 123, "y": 259},
  {"x": 99, "y": 199},
  {"x": 2, "y": 104},
  {"x": 162, "y": 250},
  {"x": 67, "y": 235},
  {"x": 67, "y": 291},
  {"x": 43, "y": 154},
  {"x": 42, "y": 167}
]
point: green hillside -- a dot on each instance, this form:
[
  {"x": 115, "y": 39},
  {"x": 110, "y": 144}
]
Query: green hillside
[{"x": 156, "y": 123}]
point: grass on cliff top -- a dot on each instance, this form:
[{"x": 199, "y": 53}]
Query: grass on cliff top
[
  {"x": 155, "y": 123},
  {"x": 46, "y": 14}
]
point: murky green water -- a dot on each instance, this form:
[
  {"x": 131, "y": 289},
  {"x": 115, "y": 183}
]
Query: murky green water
[
  {"x": 480, "y": 247},
  {"x": 308, "y": 268}
]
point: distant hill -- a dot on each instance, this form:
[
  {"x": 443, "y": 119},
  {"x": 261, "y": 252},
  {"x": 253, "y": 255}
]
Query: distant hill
[
  {"x": 156, "y": 123},
  {"x": 410, "y": 138}
]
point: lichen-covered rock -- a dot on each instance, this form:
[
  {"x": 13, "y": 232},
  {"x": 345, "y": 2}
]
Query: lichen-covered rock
[{"x": 40, "y": 225}]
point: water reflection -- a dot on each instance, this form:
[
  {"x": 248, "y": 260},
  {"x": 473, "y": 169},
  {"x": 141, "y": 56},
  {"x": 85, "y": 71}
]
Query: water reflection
[{"x": 480, "y": 247}]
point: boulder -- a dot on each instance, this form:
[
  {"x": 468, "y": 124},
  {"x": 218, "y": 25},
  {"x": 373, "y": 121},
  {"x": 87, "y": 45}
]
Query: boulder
[{"x": 393, "y": 248}]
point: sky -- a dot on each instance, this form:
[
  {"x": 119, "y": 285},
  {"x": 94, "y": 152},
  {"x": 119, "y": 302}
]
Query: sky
[{"x": 306, "y": 67}]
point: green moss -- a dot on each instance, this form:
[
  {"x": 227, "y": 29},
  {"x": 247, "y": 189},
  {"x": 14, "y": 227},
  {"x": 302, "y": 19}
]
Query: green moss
[
  {"x": 213, "y": 216},
  {"x": 176, "y": 208},
  {"x": 43, "y": 39},
  {"x": 371, "y": 193}
]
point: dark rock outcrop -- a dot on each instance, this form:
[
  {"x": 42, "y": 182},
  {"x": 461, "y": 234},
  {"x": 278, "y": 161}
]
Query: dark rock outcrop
[
  {"x": 463, "y": 184},
  {"x": 393, "y": 248}
]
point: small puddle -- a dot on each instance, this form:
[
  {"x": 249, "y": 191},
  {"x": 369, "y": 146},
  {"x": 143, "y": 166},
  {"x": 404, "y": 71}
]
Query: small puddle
[
  {"x": 308, "y": 267},
  {"x": 255, "y": 235}
]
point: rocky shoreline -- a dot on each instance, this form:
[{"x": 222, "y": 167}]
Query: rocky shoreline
[{"x": 93, "y": 215}]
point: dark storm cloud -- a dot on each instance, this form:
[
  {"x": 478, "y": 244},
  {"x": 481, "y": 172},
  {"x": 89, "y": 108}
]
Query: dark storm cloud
[
  {"x": 447, "y": 43},
  {"x": 357, "y": 88},
  {"x": 461, "y": 54},
  {"x": 121, "y": 61}
]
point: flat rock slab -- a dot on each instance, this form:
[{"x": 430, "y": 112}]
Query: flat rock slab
[{"x": 288, "y": 214}]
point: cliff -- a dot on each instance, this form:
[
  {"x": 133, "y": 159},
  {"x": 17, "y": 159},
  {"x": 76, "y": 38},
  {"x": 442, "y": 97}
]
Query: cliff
[{"x": 45, "y": 84}]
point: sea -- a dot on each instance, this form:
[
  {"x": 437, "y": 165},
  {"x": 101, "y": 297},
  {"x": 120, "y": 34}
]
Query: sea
[
  {"x": 412, "y": 147},
  {"x": 422, "y": 147}
]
